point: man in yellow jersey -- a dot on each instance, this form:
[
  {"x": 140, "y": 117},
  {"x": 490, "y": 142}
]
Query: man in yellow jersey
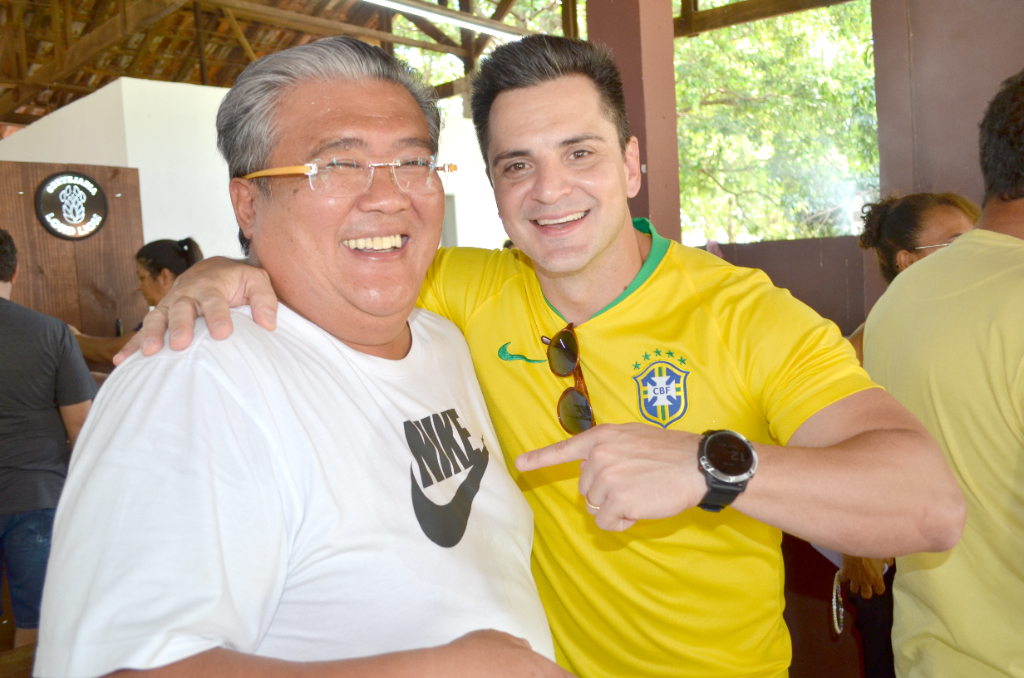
[
  {"x": 669, "y": 342},
  {"x": 947, "y": 342}
]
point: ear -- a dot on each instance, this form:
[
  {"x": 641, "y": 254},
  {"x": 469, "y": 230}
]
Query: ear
[
  {"x": 165, "y": 278},
  {"x": 244, "y": 195},
  {"x": 632, "y": 163},
  {"x": 14, "y": 275},
  {"x": 904, "y": 259}
]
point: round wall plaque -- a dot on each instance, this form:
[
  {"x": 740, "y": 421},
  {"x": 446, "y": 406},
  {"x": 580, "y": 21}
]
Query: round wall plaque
[{"x": 70, "y": 205}]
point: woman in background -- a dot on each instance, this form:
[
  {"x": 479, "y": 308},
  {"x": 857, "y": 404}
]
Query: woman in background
[
  {"x": 902, "y": 231},
  {"x": 157, "y": 264}
]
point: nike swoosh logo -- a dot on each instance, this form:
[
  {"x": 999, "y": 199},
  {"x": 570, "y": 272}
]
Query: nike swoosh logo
[
  {"x": 445, "y": 524},
  {"x": 505, "y": 355}
]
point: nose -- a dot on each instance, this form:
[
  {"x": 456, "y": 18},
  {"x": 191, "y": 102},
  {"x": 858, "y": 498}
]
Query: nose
[
  {"x": 550, "y": 183},
  {"x": 383, "y": 193}
]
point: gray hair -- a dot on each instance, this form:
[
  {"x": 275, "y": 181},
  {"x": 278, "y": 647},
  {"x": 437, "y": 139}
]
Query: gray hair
[{"x": 246, "y": 133}]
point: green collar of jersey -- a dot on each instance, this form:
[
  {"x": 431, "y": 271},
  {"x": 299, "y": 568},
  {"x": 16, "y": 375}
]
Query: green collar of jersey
[{"x": 659, "y": 245}]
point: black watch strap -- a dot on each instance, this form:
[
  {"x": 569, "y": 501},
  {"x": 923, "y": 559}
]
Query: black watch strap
[{"x": 720, "y": 495}]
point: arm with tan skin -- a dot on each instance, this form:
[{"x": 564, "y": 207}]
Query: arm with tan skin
[
  {"x": 480, "y": 654},
  {"x": 74, "y": 418},
  {"x": 860, "y": 476},
  {"x": 100, "y": 349}
]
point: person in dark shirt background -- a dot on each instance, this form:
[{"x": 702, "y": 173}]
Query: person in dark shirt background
[{"x": 45, "y": 394}]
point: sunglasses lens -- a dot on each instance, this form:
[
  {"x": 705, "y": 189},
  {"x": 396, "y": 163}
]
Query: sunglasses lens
[
  {"x": 563, "y": 353},
  {"x": 574, "y": 411}
]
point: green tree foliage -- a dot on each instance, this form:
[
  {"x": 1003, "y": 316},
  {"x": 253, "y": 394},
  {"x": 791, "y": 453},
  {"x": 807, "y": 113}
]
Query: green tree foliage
[
  {"x": 777, "y": 126},
  {"x": 543, "y": 16}
]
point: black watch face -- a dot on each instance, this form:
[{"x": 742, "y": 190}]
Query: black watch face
[{"x": 728, "y": 454}]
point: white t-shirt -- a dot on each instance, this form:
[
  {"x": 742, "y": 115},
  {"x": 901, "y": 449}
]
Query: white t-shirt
[{"x": 281, "y": 494}]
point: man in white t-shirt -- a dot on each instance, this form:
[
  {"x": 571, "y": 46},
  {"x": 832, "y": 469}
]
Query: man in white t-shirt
[{"x": 326, "y": 499}]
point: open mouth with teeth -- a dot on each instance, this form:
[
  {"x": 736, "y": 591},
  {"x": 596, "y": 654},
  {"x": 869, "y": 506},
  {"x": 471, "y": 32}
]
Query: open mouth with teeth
[
  {"x": 561, "y": 221},
  {"x": 387, "y": 243}
]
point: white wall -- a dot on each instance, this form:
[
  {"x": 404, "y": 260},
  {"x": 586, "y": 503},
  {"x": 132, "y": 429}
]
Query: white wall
[
  {"x": 476, "y": 215},
  {"x": 89, "y": 131},
  {"x": 171, "y": 137},
  {"x": 167, "y": 131}
]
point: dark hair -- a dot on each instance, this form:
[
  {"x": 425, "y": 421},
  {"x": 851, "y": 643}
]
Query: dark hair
[
  {"x": 1001, "y": 138},
  {"x": 177, "y": 256},
  {"x": 246, "y": 130},
  {"x": 537, "y": 59},
  {"x": 895, "y": 224},
  {"x": 8, "y": 256}
]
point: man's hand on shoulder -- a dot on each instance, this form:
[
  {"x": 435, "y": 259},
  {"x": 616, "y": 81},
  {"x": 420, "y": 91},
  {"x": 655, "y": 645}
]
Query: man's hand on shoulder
[
  {"x": 629, "y": 472},
  {"x": 210, "y": 289}
]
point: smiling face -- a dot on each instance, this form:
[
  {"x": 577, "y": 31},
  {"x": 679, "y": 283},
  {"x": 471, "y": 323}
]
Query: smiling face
[
  {"x": 323, "y": 253},
  {"x": 561, "y": 180},
  {"x": 153, "y": 288}
]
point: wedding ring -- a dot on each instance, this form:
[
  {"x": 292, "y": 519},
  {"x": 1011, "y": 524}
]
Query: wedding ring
[{"x": 591, "y": 506}]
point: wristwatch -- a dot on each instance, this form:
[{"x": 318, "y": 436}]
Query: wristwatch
[{"x": 728, "y": 462}]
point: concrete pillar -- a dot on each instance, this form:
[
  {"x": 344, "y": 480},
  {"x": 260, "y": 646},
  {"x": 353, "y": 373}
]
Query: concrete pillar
[{"x": 640, "y": 35}]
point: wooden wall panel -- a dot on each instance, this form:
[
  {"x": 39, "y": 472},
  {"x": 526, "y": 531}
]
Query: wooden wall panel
[
  {"x": 937, "y": 65},
  {"x": 88, "y": 283},
  {"x": 827, "y": 274},
  {"x": 106, "y": 261}
]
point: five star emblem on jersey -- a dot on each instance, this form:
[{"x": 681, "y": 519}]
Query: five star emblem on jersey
[{"x": 661, "y": 392}]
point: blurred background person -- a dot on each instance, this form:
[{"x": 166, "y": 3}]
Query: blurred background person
[
  {"x": 45, "y": 394},
  {"x": 158, "y": 264},
  {"x": 904, "y": 230},
  {"x": 946, "y": 341},
  {"x": 901, "y": 231}
]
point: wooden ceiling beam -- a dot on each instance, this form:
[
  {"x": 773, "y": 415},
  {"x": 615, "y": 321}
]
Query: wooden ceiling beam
[
  {"x": 694, "y": 22},
  {"x": 500, "y": 12},
  {"x": 449, "y": 89},
  {"x": 52, "y": 86},
  {"x": 304, "y": 23},
  {"x": 135, "y": 16},
  {"x": 239, "y": 35},
  {"x": 429, "y": 28}
]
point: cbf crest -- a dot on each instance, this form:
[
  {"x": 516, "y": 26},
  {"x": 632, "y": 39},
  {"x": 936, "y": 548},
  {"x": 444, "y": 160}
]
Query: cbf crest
[{"x": 661, "y": 393}]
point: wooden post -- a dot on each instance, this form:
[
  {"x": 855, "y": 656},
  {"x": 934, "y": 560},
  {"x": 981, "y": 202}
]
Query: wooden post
[
  {"x": 570, "y": 22},
  {"x": 204, "y": 76},
  {"x": 640, "y": 34}
]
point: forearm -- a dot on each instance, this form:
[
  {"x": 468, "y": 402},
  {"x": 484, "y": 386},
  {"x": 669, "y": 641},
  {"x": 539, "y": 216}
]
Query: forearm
[
  {"x": 877, "y": 494},
  {"x": 101, "y": 349},
  {"x": 222, "y": 663}
]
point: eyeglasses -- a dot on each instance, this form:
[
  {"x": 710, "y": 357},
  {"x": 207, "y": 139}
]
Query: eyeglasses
[
  {"x": 928, "y": 247},
  {"x": 574, "y": 411},
  {"x": 348, "y": 178}
]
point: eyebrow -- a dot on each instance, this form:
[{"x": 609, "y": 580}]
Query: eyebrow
[
  {"x": 347, "y": 143},
  {"x": 519, "y": 153}
]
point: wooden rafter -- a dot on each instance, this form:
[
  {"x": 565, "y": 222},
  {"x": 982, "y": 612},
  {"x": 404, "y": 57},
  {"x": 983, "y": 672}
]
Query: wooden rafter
[
  {"x": 500, "y": 12},
  {"x": 239, "y": 35},
  {"x": 694, "y": 22},
  {"x": 429, "y": 29},
  {"x": 133, "y": 17},
  {"x": 320, "y": 26}
]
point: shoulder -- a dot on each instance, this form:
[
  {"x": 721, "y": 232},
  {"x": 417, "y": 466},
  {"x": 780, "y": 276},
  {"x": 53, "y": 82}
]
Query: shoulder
[
  {"x": 715, "y": 280},
  {"x": 455, "y": 265},
  {"x": 26, "y": 320}
]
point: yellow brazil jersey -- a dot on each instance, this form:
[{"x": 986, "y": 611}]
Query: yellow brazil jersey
[{"x": 693, "y": 344}]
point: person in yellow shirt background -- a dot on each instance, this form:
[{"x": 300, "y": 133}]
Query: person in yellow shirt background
[{"x": 946, "y": 340}]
